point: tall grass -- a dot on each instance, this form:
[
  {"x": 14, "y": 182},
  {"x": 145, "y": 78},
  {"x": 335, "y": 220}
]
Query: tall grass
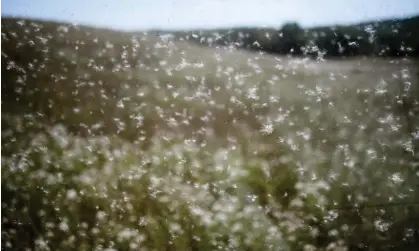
[{"x": 178, "y": 147}]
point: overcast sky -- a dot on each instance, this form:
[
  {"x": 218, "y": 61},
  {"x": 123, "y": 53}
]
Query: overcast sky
[{"x": 187, "y": 14}]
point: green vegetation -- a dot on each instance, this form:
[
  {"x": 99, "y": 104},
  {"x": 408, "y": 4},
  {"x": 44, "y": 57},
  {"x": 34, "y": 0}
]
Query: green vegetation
[
  {"x": 391, "y": 38},
  {"x": 129, "y": 141}
]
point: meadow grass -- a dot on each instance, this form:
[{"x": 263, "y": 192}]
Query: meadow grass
[{"x": 122, "y": 141}]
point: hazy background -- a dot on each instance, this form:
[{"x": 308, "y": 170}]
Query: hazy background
[{"x": 191, "y": 14}]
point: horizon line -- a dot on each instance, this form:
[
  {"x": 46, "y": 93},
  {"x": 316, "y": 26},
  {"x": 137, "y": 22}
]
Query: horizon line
[{"x": 169, "y": 29}]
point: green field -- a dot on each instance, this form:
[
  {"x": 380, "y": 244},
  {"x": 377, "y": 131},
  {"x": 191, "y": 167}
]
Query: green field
[{"x": 129, "y": 141}]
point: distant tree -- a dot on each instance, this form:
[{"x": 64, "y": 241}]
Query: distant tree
[
  {"x": 292, "y": 38},
  {"x": 395, "y": 38}
]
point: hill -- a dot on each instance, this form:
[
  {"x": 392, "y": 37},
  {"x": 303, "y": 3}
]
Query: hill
[
  {"x": 390, "y": 38},
  {"x": 120, "y": 141}
]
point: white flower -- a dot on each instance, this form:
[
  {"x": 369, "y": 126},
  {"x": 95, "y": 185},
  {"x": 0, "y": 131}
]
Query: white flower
[
  {"x": 71, "y": 194},
  {"x": 267, "y": 128},
  {"x": 63, "y": 226},
  {"x": 100, "y": 215}
]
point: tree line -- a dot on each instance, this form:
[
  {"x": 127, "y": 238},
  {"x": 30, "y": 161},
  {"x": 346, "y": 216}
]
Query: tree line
[{"x": 392, "y": 38}]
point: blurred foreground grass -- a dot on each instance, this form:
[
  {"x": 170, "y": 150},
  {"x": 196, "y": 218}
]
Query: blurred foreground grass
[{"x": 123, "y": 141}]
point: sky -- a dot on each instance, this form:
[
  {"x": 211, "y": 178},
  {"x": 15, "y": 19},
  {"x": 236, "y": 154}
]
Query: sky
[{"x": 190, "y": 14}]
